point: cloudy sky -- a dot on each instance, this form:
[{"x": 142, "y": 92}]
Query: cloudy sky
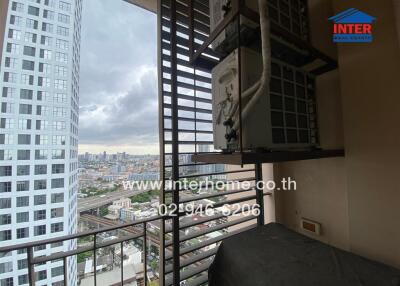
[{"x": 118, "y": 82}]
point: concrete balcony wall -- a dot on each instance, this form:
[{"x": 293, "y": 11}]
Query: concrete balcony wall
[{"x": 356, "y": 198}]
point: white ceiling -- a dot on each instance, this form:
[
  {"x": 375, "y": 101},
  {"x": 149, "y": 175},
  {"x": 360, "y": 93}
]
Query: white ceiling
[{"x": 150, "y": 5}]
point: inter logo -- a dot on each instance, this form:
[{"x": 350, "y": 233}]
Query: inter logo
[{"x": 352, "y": 26}]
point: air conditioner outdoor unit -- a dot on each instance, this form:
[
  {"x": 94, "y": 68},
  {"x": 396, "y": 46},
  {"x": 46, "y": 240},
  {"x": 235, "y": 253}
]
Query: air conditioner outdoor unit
[
  {"x": 218, "y": 10},
  {"x": 283, "y": 119},
  {"x": 291, "y": 16}
]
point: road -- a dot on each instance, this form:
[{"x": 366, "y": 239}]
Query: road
[
  {"x": 106, "y": 222},
  {"x": 90, "y": 203}
]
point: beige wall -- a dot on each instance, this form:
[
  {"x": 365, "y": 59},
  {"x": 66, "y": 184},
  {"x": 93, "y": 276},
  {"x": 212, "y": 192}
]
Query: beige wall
[
  {"x": 3, "y": 21},
  {"x": 321, "y": 193},
  {"x": 370, "y": 78},
  {"x": 357, "y": 199}
]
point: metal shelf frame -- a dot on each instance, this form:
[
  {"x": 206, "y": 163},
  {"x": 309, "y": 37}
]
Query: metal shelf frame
[{"x": 198, "y": 58}]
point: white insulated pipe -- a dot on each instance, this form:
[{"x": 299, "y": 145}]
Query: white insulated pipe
[{"x": 263, "y": 83}]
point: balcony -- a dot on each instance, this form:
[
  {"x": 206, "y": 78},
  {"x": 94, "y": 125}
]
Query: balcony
[{"x": 354, "y": 197}]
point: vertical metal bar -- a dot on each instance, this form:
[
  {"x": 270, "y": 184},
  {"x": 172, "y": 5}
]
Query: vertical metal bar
[
  {"x": 191, "y": 53},
  {"x": 161, "y": 136},
  {"x": 282, "y": 67},
  {"x": 122, "y": 263},
  {"x": 65, "y": 271},
  {"x": 145, "y": 252},
  {"x": 191, "y": 30},
  {"x": 259, "y": 193},
  {"x": 31, "y": 267},
  {"x": 95, "y": 260},
  {"x": 175, "y": 144},
  {"x": 239, "y": 3}
]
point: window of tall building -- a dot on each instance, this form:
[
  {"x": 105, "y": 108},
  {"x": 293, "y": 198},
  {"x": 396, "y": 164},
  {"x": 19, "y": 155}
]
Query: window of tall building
[
  {"x": 23, "y": 154},
  {"x": 39, "y": 215},
  {"x": 46, "y": 41},
  {"x": 58, "y": 154},
  {"x": 23, "y": 186},
  {"x": 13, "y": 48},
  {"x": 25, "y": 108},
  {"x": 32, "y": 24},
  {"x": 9, "y": 92},
  {"x": 6, "y": 267},
  {"x": 10, "y": 77},
  {"x": 5, "y": 171},
  {"x": 57, "y": 212},
  {"x": 47, "y": 14},
  {"x": 41, "y": 154},
  {"x": 45, "y": 54},
  {"x": 23, "y": 170},
  {"x": 5, "y": 235},
  {"x": 6, "y": 155},
  {"x": 22, "y": 232},
  {"x": 29, "y": 51},
  {"x": 16, "y": 20},
  {"x": 47, "y": 27},
  {"x": 39, "y": 199},
  {"x": 22, "y": 217},
  {"x": 6, "y": 139},
  {"x": 40, "y": 185},
  {"x": 5, "y": 203},
  {"x": 28, "y": 65},
  {"x": 7, "y": 107},
  {"x": 5, "y": 219},
  {"x": 5, "y": 187},
  {"x": 14, "y": 34},
  {"x": 65, "y": 6},
  {"x": 34, "y": 11},
  {"x": 57, "y": 227},
  {"x": 27, "y": 79},
  {"x": 62, "y": 31},
  {"x": 11, "y": 63},
  {"x": 42, "y": 140},
  {"x": 22, "y": 201},
  {"x": 45, "y": 68},
  {"x": 39, "y": 230},
  {"x": 24, "y": 124},
  {"x": 40, "y": 169},
  {"x": 57, "y": 183},
  {"x": 24, "y": 139},
  {"x": 30, "y": 37},
  {"x": 18, "y": 7},
  {"x": 62, "y": 45},
  {"x": 26, "y": 94}
]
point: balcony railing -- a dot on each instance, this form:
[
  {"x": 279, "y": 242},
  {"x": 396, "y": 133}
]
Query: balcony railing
[
  {"x": 136, "y": 230},
  {"x": 196, "y": 248}
]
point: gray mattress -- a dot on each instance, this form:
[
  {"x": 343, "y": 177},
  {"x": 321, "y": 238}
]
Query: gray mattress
[{"x": 273, "y": 255}]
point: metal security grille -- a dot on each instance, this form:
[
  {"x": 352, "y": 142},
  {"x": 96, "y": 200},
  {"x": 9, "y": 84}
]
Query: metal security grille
[
  {"x": 293, "y": 107},
  {"x": 291, "y": 15},
  {"x": 189, "y": 242}
]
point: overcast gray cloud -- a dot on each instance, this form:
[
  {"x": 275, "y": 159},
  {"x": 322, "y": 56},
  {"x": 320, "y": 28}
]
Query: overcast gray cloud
[{"x": 118, "y": 90}]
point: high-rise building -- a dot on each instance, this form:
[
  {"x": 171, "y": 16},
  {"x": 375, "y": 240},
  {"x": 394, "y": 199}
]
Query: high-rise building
[{"x": 39, "y": 87}]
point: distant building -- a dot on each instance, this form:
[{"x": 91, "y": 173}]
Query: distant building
[
  {"x": 127, "y": 215},
  {"x": 113, "y": 212},
  {"x": 123, "y": 202}
]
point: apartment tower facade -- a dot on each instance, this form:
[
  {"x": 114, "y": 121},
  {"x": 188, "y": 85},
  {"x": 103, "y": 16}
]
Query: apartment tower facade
[{"x": 39, "y": 88}]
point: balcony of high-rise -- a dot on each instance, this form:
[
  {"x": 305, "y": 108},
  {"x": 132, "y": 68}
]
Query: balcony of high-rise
[{"x": 199, "y": 142}]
